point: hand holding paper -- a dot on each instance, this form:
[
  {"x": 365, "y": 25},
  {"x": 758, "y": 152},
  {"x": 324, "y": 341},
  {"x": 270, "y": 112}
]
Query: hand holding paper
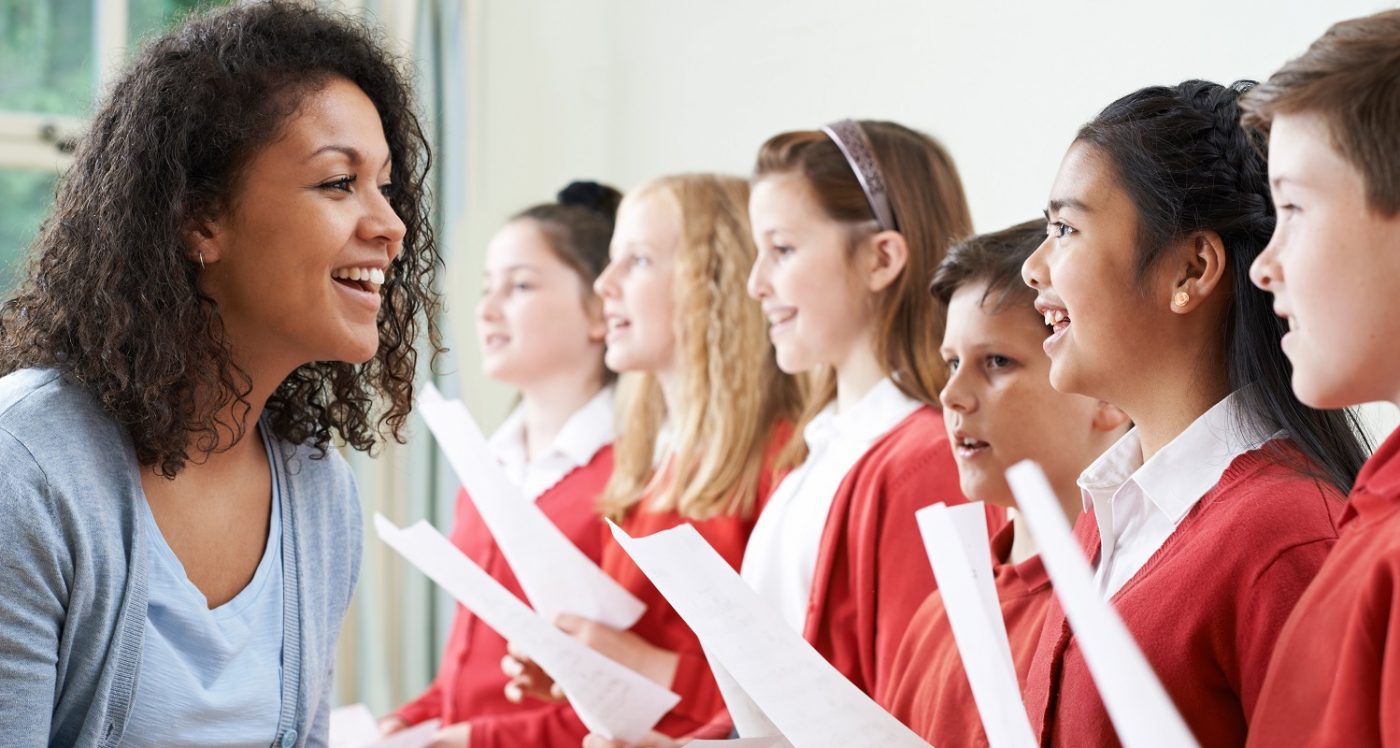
[
  {"x": 610, "y": 699},
  {"x": 555, "y": 575},
  {"x": 809, "y": 701},
  {"x": 1141, "y": 711}
]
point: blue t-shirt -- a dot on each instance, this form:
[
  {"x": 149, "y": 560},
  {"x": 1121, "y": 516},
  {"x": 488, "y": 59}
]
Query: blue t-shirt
[{"x": 210, "y": 677}]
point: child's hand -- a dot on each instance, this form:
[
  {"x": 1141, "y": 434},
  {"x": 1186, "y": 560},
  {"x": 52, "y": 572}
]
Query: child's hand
[{"x": 527, "y": 678}]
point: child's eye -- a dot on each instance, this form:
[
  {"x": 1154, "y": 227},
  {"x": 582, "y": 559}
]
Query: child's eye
[
  {"x": 522, "y": 286},
  {"x": 1059, "y": 229},
  {"x": 782, "y": 250},
  {"x": 638, "y": 261},
  {"x": 952, "y": 364},
  {"x": 997, "y": 361}
]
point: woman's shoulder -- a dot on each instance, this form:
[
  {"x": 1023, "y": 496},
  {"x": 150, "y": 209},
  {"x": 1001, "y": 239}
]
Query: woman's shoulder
[{"x": 53, "y": 431}]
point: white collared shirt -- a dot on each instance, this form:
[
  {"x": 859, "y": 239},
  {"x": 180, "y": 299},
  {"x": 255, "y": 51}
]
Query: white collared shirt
[
  {"x": 781, "y": 557},
  {"x": 586, "y": 432},
  {"x": 1138, "y": 505}
]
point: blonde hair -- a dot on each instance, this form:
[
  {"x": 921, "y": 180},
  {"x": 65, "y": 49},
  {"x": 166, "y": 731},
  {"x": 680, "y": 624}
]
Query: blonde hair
[
  {"x": 931, "y": 209},
  {"x": 732, "y": 394}
]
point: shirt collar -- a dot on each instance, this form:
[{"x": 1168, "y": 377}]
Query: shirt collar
[
  {"x": 1377, "y": 487},
  {"x": 586, "y": 432},
  {"x": 878, "y": 411},
  {"x": 1183, "y": 470}
]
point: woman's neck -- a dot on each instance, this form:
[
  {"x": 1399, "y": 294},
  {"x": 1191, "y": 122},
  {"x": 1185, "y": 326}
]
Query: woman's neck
[{"x": 549, "y": 404}]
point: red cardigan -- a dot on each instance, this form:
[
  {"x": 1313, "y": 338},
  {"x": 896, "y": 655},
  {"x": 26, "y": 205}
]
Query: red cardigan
[
  {"x": 1206, "y": 608},
  {"x": 872, "y": 569},
  {"x": 557, "y": 724},
  {"x": 469, "y": 682},
  {"x": 1335, "y": 676},
  {"x": 928, "y": 688}
]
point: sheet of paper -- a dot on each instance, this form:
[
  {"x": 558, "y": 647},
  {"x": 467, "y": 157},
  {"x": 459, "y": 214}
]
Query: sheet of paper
[
  {"x": 957, "y": 545},
  {"x": 808, "y": 700},
  {"x": 749, "y": 721},
  {"x": 612, "y": 700},
  {"x": 740, "y": 743},
  {"x": 555, "y": 575},
  {"x": 1141, "y": 711},
  {"x": 354, "y": 726}
]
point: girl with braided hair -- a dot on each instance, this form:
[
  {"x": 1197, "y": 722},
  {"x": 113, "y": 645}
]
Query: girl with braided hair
[
  {"x": 706, "y": 411},
  {"x": 1205, "y": 522}
]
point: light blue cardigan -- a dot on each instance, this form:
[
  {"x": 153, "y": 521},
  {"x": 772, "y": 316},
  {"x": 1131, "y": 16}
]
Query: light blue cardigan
[{"x": 73, "y": 567}]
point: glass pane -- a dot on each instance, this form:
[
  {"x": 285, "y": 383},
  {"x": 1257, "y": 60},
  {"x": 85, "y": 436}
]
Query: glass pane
[
  {"x": 25, "y": 197},
  {"x": 146, "y": 17},
  {"x": 46, "y": 53}
]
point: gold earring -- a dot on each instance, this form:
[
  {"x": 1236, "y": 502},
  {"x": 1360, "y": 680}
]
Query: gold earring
[{"x": 1181, "y": 298}]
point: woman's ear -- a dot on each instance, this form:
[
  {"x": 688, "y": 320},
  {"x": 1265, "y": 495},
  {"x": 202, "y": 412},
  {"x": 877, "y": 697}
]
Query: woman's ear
[
  {"x": 1108, "y": 418},
  {"x": 888, "y": 256},
  {"x": 203, "y": 240},
  {"x": 1201, "y": 268}
]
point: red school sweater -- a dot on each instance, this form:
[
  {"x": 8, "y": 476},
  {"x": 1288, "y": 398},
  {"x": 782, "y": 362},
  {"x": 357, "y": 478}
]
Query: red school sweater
[
  {"x": 1335, "y": 676},
  {"x": 557, "y": 724},
  {"x": 469, "y": 682},
  {"x": 872, "y": 570},
  {"x": 928, "y": 688},
  {"x": 1207, "y": 607}
]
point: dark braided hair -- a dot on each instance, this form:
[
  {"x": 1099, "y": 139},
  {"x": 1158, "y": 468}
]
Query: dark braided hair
[
  {"x": 111, "y": 300},
  {"x": 1188, "y": 165}
]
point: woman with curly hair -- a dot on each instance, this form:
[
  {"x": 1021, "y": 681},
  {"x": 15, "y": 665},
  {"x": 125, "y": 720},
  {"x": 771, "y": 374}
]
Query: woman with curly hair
[{"x": 236, "y": 271}]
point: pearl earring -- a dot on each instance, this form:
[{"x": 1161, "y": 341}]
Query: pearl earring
[{"x": 1181, "y": 298}]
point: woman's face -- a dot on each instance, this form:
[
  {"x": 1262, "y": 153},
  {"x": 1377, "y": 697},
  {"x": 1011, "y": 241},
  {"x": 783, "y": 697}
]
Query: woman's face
[
  {"x": 537, "y": 320},
  {"x": 1102, "y": 317},
  {"x": 803, "y": 276},
  {"x": 638, "y": 285},
  {"x": 296, "y": 261}
]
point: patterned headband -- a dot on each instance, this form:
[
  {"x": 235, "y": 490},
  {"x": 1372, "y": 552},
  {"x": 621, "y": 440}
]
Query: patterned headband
[{"x": 850, "y": 137}]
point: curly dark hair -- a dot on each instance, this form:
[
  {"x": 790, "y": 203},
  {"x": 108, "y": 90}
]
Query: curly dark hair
[{"x": 110, "y": 298}]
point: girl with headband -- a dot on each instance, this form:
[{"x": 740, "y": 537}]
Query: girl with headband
[
  {"x": 541, "y": 329},
  {"x": 237, "y": 268},
  {"x": 1208, "y": 519},
  {"x": 707, "y": 411}
]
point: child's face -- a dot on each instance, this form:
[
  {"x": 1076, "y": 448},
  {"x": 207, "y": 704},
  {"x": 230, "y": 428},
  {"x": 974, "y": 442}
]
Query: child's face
[
  {"x": 818, "y": 312},
  {"x": 537, "y": 319},
  {"x": 998, "y": 404},
  {"x": 1086, "y": 277},
  {"x": 1333, "y": 266},
  {"x": 638, "y": 285}
]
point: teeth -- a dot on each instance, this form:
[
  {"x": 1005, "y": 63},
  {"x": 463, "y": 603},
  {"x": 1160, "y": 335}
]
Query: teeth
[
  {"x": 1054, "y": 317},
  {"x": 371, "y": 275}
]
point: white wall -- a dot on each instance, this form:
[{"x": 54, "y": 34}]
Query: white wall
[{"x": 624, "y": 90}]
